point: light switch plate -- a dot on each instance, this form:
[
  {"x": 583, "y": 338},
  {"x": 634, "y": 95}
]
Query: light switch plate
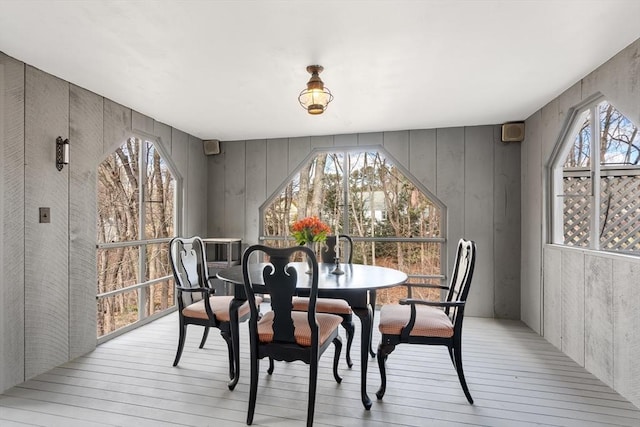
[{"x": 45, "y": 215}]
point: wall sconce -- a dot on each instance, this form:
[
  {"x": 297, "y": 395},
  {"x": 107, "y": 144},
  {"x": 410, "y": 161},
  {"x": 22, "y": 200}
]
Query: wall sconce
[
  {"x": 315, "y": 97},
  {"x": 62, "y": 152}
]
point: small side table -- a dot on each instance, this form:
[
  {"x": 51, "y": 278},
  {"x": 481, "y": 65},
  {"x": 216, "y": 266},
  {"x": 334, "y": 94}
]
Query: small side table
[{"x": 221, "y": 253}]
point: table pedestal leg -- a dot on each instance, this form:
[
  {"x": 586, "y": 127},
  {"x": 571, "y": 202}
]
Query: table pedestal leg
[
  {"x": 366, "y": 318},
  {"x": 372, "y": 301}
]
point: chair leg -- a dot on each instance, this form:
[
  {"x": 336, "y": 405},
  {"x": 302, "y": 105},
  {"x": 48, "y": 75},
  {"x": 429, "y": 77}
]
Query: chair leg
[
  {"x": 270, "y": 369},
  {"x": 235, "y": 340},
  {"x": 234, "y": 330},
  {"x": 227, "y": 337},
  {"x": 457, "y": 351},
  {"x": 313, "y": 379},
  {"x": 350, "y": 329},
  {"x": 204, "y": 336},
  {"x": 451, "y": 356},
  {"x": 253, "y": 388},
  {"x": 183, "y": 333},
  {"x": 337, "y": 343},
  {"x": 384, "y": 350}
]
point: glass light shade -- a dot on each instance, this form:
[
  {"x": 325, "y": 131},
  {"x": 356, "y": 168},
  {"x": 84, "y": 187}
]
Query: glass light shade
[
  {"x": 315, "y": 97},
  {"x": 315, "y": 101},
  {"x": 65, "y": 152}
]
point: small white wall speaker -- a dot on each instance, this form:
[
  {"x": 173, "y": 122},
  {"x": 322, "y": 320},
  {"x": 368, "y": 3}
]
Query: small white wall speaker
[
  {"x": 513, "y": 132},
  {"x": 211, "y": 146}
]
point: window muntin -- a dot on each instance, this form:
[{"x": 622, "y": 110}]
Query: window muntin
[
  {"x": 118, "y": 201},
  {"x": 611, "y": 185},
  {"x": 393, "y": 221},
  {"x": 576, "y": 184},
  {"x": 579, "y": 155},
  {"x": 136, "y": 218},
  {"x": 159, "y": 195},
  {"x": 620, "y": 141}
]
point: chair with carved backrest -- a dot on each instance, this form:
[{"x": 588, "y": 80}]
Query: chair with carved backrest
[
  {"x": 332, "y": 305},
  {"x": 283, "y": 333},
  {"x": 197, "y": 304},
  {"x": 328, "y": 250},
  {"x": 416, "y": 321}
]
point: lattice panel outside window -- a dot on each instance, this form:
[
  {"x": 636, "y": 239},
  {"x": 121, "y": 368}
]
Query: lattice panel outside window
[
  {"x": 620, "y": 213},
  {"x": 577, "y": 210}
]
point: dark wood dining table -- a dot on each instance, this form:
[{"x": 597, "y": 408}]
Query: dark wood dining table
[{"x": 354, "y": 286}]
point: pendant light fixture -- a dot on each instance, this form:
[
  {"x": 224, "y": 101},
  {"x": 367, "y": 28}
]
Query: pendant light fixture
[{"x": 315, "y": 97}]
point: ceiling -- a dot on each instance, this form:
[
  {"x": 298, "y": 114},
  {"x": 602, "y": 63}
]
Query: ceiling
[{"x": 232, "y": 70}]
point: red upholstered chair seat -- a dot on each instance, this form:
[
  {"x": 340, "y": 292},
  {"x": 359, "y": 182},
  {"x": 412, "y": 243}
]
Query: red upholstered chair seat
[
  {"x": 332, "y": 306},
  {"x": 430, "y": 321},
  {"x": 219, "y": 306},
  {"x": 327, "y": 324},
  {"x": 323, "y": 305}
]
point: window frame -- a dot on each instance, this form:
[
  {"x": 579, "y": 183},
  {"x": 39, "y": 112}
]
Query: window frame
[
  {"x": 442, "y": 240},
  {"x": 555, "y": 174},
  {"x": 141, "y": 286}
]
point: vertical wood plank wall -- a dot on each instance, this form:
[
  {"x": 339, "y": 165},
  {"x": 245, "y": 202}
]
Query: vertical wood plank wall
[
  {"x": 86, "y": 111},
  {"x": 195, "y": 212},
  {"x": 3, "y": 321},
  {"x": 48, "y": 271},
  {"x": 479, "y": 218},
  {"x": 506, "y": 224},
  {"x": 456, "y": 164},
  {"x": 583, "y": 302},
  {"x": 46, "y": 245},
  {"x": 12, "y": 222}
]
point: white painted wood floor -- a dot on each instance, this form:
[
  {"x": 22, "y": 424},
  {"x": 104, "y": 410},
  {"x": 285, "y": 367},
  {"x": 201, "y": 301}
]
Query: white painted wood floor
[{"x": 515, "y": 377}]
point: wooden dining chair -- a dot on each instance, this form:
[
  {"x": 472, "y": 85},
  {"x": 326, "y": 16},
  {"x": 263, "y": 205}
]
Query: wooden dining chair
[
  {"x": 197, "y": 304},
  {"x": 416, "y": 321},
  {"x": 333, "y": 305},
  {"x": 282, "y": 333},
  {"x": 328, "y": 250}
]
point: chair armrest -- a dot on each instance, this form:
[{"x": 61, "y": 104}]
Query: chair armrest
[
  {"x": 209, "y": 279},
  {"x": 207, "y": 291},
  {"x": 407, "y": 301},
  {"x": 426, "y": 285}
]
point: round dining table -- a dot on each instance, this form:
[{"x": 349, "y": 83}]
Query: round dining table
[{"x": 355, "y": 286}]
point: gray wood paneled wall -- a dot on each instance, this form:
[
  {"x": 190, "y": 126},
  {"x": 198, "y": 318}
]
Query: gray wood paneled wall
[
  {"x": 48, "y": 271},
  {"x": 468, "y": 168},
  {"x": 12, "y": 222},
  {"x": 584, "y": 302}
]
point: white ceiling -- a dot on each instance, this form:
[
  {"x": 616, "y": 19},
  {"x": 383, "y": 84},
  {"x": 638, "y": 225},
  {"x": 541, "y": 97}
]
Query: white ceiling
[{"x": 232, "y": 70}]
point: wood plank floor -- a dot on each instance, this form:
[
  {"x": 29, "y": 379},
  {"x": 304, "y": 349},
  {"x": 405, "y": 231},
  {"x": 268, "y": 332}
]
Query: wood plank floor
[{"x": 515, "y": 377}]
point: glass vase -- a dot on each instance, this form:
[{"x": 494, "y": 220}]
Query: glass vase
[{"x": 312, "y": 246}]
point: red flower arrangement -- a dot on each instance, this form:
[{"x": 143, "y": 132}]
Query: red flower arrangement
[{"x": 309, "y": 229}]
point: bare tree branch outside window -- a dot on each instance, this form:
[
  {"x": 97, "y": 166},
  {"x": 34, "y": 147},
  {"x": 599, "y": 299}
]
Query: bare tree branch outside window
[
  {"x": 120, "y": 191},
  {"x": 381, "y": 203}
]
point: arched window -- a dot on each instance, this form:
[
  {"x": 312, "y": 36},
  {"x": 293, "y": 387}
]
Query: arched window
[
  {"x": 595, "y": 181},
  {"x": 393, "y": 220},
  {"x": 137, "y": 191}
]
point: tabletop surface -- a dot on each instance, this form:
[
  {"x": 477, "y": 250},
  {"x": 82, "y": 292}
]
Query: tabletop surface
[
  {"x": 356, "y": 276},
  {"x": 221, "y": 240}
]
